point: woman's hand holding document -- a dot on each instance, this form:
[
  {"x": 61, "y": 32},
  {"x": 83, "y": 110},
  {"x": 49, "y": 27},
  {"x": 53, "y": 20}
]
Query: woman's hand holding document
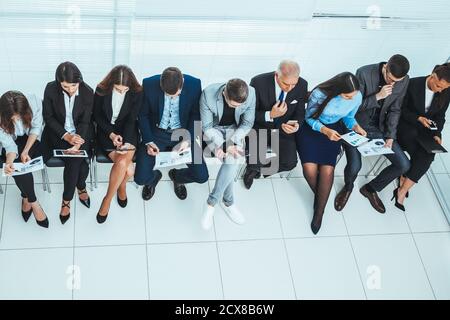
[{"x": 17, "y": 169}]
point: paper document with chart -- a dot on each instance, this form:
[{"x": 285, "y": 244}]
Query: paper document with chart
[
  {"x": 374, "y": 147},
  {"x": 35, "y": 164},
  {"x": 354, "y": 139},
  {"x": 172, "y": 158}
]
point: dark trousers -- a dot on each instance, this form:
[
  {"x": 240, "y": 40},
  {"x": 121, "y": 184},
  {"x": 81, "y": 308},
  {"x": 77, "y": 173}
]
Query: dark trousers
[
  {"x": 399, "y": 164},
  {"x": 286, "y": 155},
  {"x": 145, "y": 175},
  {"x": 76, "y": 170},
  {"x": 420, "y": 159},
  {"x": 25, "y": 182}
]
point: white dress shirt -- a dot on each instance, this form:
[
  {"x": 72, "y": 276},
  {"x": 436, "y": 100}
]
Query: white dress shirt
[
  {"x": 69, "y": 102},
  {"x": 116, "y": 103},
  {"x": 277, "y": 94},
  {"x": 428, "y": 97}
]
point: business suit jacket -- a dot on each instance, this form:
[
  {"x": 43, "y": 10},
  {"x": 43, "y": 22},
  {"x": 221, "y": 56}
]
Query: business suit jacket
[
  {"x": 126, "y": 122},
  {"x": 211, "y": 111},
  {"x": 369, "y": 77},
  {"x": 414, "y": 106},
  {"x": 264, "y": 85},
  {"x": 54, "y": 111},
  {"x": 152, "y": 107}
]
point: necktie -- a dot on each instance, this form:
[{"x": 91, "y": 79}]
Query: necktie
[{"x": 276, "y": 121}]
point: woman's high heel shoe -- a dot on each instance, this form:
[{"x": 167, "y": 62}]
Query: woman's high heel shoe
[
  {"x": 87, "y": 202},
  {"x": 316, "y": 223},
  {"x": 43, "y": 223},
  {"x": 26, "y": 214},
  {"x": 397, "y": 204},
  {"x": 398, "y": 183},
  {"x": 122, "y": 203},
  {"x": 100, "y": 218},
  {"x": 64, "y": 218}
]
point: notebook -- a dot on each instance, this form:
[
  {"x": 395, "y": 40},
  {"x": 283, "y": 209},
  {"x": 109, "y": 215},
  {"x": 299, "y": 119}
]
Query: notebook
[{"x": 430, "y": 145}]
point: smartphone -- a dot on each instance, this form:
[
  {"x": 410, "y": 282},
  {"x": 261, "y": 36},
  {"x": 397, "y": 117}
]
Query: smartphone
[
  {"x": 292, "y": 122},
  {"x": 125, "y": 149},
  {"x": 433, "y": 125}
]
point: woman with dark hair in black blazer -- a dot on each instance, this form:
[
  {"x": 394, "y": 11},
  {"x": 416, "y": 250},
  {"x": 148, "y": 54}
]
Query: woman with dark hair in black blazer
[
  {"x": 424, "y": 107},
  {"x": 20, "y": 126},
  {"x": 116, "y": 106},
  {"x": 67, "y": 110}
]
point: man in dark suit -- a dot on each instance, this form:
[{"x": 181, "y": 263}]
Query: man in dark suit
[
  {"x": 170, "y": 104},
  {"x": 383, "y": 86},
  {"x": 280, "y": 110}
]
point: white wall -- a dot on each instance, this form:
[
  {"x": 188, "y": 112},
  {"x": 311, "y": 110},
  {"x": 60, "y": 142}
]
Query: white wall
[{"x": 214, "y": 40}]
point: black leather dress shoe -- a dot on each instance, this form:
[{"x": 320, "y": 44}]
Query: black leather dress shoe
[
  {"x": 249, "y": 176},
  {"x": 375, "y": 201},
  {"x": 149, "y": 191},
  {"x": 341, "y": 199},
  {"x": 179, "y": 188}
]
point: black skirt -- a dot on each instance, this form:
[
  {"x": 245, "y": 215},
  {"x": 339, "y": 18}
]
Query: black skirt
[{"x": 315, "y": 147}]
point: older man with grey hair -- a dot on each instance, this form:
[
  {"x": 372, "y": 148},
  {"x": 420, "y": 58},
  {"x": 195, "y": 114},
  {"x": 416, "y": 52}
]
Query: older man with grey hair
[{"x": 280, "y": 110}]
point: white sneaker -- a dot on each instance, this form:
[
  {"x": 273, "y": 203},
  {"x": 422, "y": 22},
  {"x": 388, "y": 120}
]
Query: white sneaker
[
  {"x": 233, "y": 213},
  {"x": 207, "y": 219}
]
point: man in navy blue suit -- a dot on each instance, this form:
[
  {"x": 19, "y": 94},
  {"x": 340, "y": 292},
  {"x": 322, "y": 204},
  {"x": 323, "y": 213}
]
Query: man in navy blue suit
[{"x": 170, "y": 104}]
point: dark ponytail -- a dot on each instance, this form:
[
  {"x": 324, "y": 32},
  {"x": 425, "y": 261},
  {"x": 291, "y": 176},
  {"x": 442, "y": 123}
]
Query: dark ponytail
[{"x": 345, "y": 82}]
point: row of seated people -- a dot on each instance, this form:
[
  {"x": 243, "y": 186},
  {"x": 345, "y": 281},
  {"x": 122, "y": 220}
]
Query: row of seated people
[{"x": 275, "y": 112}]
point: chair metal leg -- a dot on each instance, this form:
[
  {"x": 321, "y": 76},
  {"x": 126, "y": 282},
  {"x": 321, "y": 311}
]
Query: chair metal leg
[
  {"x": 1, "y": 189},
  {"x": 44, "y": 182},
  {"x": 377, "y": 170},
  {"x": 95, "y": 173},
  {"x": 290, "y": 174},
  {"x": 90, "y": 174},
  {"x": 373, "y": 167},
  {"x": 47, "y": 180}
]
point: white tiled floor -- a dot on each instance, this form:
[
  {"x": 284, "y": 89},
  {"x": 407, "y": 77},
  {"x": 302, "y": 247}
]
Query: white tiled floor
[{"x": 157, "y": 249}]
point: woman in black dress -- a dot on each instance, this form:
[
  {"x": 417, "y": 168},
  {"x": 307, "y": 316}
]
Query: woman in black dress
[
  {"x": 116, "y": 106},
  {"x": 67, "y": 111}
]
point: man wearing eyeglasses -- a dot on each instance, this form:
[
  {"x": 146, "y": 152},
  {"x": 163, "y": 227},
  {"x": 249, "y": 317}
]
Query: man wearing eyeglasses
[{"x": 383, "y": 86}]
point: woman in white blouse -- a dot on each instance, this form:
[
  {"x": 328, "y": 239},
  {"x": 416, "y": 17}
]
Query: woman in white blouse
[
  {"x": 20, "y": 127},
  {"x": 67, "y": 112},
  {"x": 116, "y": 105}
]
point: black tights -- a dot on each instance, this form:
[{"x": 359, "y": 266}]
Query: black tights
[{"x": 320, "y": 179}]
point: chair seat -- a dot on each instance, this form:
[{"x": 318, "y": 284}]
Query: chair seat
[
  {"x": 101, "y": 157},
  {"x": 55, "y": 162}
]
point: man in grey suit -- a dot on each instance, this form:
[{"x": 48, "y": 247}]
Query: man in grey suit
[
  {"x": 383, "y": 86},
  {"x": 227, "y": 111}
]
